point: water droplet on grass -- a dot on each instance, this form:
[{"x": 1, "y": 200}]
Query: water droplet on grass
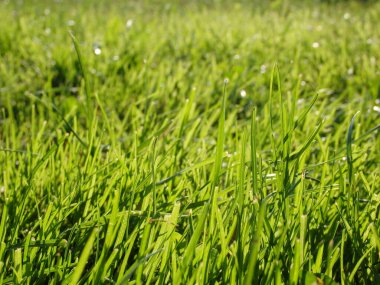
[
  {"x": 243, "y": 93},
  {"x": 70, "y": 23},
  {"x": 300, "y": 101},
  {"x": 263, "y": 69},
  {"x": 129, "y": 24},
  {"x": 346, "y": 16},
  {"x": 315, "y": 45},
  {"x": 97, "y": 48}
]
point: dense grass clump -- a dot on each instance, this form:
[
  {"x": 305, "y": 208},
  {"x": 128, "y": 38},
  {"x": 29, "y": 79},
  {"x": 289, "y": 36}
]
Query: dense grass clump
[{"x": 176, "y": 142}]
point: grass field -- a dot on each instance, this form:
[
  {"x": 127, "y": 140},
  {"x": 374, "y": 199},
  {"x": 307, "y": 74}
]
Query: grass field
[{"x": 183, "y": 142}]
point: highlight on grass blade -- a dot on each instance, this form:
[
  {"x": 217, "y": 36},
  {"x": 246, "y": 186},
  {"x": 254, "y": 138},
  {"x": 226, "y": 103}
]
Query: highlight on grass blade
[
  {"x": 252, "y": 272},
  {"x": 89, "y": 105},
  {"x": 86, "y": 252},
  {"x": 349, "y": 148},
  {"x": 220, "y": 140}
]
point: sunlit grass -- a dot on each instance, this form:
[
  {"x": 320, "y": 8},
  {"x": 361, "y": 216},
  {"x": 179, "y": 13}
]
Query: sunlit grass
[{"x": 195, "y": 143}]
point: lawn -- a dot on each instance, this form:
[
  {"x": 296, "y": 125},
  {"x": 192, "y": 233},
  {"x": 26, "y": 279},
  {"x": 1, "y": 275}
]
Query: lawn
[{"x": 189, "y": 142}]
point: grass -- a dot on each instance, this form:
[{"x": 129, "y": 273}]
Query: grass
[{"x": 181, "y": 143}]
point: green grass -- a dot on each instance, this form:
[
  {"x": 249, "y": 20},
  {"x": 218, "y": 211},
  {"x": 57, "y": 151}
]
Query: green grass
[{"x": 187, "y": 143}]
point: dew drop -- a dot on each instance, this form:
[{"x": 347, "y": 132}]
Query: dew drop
[
  {"x": 300, "y": 101},
  {"x": 315, "y": 45},
  {"x": 129, "y": 24},
  {"x": 346, "y": 16},
  {"x": 70, "y": 23}
]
